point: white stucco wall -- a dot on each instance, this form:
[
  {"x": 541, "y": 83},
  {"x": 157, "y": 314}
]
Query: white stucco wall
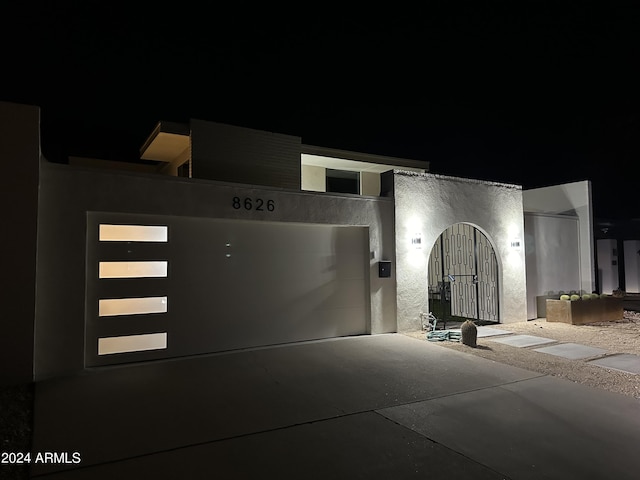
[
  {"x": 62, "y": 240},
  {"x": 632, "y": 265},
  {"x": 427, "y": 204},
  {"x": 569, "y": 199},
  {"x": 553, "y": 257},
  {"x": 369, "y": 183},
  {"x": 314, "y": 179}
]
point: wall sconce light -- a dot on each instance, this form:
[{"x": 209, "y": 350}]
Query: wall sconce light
[{"x": 416, "y": 241}]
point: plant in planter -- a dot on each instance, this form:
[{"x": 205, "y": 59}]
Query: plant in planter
[{"x": 588, "y": 308}]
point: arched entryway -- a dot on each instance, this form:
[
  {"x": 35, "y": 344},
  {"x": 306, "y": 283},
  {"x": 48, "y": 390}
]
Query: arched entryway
[{"x": 463, "y": 276}]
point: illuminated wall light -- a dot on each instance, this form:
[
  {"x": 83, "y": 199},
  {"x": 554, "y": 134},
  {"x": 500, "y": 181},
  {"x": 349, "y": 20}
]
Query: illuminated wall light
[
  {"x": 133, "y": 269},
  {"x": 416, "y": 241},
  {"x": 133, "y": 233},
  {"x": 514, "y": 256},
  {"x": 132, "y": 343},
  {"x": 416, "y": 256},
  {"x": 132, "y": 306}
]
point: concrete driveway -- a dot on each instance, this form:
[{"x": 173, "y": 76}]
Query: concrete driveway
[{"x": 384, "y": 406}]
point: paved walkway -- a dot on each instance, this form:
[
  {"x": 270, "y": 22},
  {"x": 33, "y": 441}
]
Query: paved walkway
[
  {"x": 371, "y": 407},
  {"x": 622, "y": 362}
]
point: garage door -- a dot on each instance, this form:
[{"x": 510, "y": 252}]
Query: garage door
[{"x": 160, "y": 287}]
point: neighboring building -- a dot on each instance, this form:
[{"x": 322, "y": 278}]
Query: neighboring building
[
  {"x": 226, "y": 238},
  {"x": 618, "y": 255}
]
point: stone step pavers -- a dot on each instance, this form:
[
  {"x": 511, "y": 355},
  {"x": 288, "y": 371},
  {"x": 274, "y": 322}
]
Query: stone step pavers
[
  {"x": 623, "y": 362},
  {"x": 491, "y": 332},
  {"x": 522, "y": 340},
  {"x": 572, "y": 351},
  {"x": 626, "y": 363}
]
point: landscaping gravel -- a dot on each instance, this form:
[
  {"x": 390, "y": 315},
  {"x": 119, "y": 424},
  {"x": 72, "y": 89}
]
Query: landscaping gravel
[{"x": 621, "y": 336}]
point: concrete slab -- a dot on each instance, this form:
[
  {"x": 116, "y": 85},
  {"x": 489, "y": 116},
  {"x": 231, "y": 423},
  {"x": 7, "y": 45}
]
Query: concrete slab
[
  {"x": 484, "y": 331},
  {"x": 115, "y": 413},
  {"x": 572, "y": 351},
  {"x": 539, "y": 428},
  {"x": 624, "y": 363},
  {"x": 314, "y": 410},
  {"x": 365, "y": 445},
  {"x": 491, "y": 332},
  {"x": 522, "y": 340}
]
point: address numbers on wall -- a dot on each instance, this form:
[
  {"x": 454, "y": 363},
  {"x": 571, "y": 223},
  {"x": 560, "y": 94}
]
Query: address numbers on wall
[{"x": 258, "y": 204}]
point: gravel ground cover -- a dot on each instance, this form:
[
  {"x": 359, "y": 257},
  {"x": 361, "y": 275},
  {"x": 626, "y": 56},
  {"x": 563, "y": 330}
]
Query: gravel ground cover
[{"x": 622, "y": 336}]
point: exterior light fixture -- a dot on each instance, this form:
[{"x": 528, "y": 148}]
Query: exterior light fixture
[{"x": 416, "y": 241}]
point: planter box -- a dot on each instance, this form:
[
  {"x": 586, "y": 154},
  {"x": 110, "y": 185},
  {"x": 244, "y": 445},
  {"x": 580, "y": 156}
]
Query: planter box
[
  {"x": 580, "y": 312},
  {"x": 541, "y": 304}
]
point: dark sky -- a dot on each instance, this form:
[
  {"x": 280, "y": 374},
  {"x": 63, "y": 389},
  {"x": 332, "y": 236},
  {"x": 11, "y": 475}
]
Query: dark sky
[{"x": 529, "y": 95}]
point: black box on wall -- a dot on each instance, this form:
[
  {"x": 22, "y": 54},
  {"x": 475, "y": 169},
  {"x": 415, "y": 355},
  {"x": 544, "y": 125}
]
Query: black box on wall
[{"x": 384, "y": 269}]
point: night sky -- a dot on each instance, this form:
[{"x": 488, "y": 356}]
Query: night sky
[{"x": 534, "y": 95}]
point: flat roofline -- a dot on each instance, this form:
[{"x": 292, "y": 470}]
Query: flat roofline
[
  {"x": 166, "y": 127},
  {"x": 364, "y": 157},
  {"x": 458, "y": 179}
]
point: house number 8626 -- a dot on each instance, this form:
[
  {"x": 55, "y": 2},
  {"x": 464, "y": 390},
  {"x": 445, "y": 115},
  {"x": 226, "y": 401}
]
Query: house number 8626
[{"x": 253, "y": 204}]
